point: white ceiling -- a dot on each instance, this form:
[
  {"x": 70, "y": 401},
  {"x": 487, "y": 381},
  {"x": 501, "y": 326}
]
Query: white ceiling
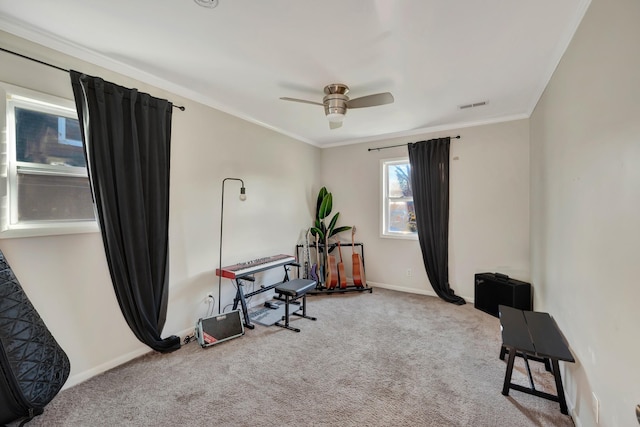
[{"x": 243, "y": 55}]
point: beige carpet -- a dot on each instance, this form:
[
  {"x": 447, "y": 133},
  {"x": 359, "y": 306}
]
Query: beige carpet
[{"x": 380, "y": 359}]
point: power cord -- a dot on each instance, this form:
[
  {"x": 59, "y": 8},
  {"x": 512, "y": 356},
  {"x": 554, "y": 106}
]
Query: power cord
[
  {"x": 189, "y": 338},
  {"x": 212, "y": 306}
]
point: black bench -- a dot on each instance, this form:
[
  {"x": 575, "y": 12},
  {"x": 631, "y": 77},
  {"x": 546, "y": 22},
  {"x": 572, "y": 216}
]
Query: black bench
[
  {"x": 536, "y": 336},
  {"x": 293, "y": 290}
]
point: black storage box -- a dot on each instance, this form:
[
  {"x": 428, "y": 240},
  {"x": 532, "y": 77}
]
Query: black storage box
[{"x": 493, "y": 289}]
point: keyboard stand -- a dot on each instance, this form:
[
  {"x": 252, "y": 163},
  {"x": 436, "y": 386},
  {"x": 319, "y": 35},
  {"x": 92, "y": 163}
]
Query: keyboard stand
[{"x": 241, "y": 297}]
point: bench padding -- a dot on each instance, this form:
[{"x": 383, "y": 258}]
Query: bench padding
[
  {"x": 292, "y": 290},
  {"x": 295, "y": 288}
]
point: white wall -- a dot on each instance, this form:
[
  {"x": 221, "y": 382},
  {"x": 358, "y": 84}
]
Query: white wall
[
  {"x": 585, "y": 197},
  {"x": 489, "y": 207},
  {"x": 67, "y": 278}
]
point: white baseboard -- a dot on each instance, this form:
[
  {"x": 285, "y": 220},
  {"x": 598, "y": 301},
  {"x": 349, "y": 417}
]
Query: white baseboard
[
  {"x": 402, "y": 289},
  {"x": 427, "y": 292},
  {"x": 89, "y": 373},
  {"x": 575, "y": 417}
]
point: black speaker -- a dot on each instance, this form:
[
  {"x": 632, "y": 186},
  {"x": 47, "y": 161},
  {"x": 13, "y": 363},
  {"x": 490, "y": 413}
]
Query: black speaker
[
  {"x": 493, "y": 289},
  {"x": 219, "y": 328}
]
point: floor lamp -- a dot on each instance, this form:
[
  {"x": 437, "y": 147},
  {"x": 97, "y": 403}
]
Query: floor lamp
[{"x": 243, "y": 197}]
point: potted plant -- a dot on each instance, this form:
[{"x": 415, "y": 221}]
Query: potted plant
[{"x": 324, "y": 205}]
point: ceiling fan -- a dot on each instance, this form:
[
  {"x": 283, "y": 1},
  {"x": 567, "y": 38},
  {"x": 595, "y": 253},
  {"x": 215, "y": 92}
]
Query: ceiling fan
[{"x": 336, "y": 102}]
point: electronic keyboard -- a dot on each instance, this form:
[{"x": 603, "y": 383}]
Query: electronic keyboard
[{"x": 254, "y": 266}]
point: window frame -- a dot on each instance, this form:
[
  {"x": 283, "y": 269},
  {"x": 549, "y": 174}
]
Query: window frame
[
  {"x": 17, "y": 97},
  {"x": 385, "y": 200}
]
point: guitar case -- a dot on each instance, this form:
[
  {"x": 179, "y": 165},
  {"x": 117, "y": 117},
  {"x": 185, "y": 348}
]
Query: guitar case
[{"x": 33, "y": 367}]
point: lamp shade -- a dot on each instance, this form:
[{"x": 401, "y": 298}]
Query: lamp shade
[{"x": 335, "y": 117}]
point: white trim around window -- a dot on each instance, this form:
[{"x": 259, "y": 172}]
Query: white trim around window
[
  {"x": 397, "y": 216},
  {"x": 44, "y": 186}
]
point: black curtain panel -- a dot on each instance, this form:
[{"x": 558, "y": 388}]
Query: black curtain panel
[
  {"x": 430, "y": 184},
  {"x": 127, "y": 139}
]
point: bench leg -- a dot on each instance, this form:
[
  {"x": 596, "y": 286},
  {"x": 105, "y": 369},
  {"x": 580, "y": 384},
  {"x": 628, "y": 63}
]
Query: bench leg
[
  {"x": 507, "y": 375},
  {"x": 559, "y": 388},
  {"x": 286, "y": 316},
  {"x": 503, "y": 352},
  {"x": 559, "y": 397},
  {"x": 287, "y": 300},
  {"x": 526, "y": 362},
  {"x": 304, "y": 309}
]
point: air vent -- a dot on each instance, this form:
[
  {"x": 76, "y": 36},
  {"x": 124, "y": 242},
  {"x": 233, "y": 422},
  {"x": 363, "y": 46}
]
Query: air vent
[
  {"x": 207, "y": 3},
  {"x": 474, "y": 105}
]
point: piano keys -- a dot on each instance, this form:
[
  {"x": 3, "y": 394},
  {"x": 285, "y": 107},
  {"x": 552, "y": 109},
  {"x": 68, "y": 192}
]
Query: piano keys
[{"x": 248, "y": 268}]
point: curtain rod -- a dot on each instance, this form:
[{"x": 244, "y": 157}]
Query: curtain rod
[
  {"x": 179, "y": 107},
  {"x": 400, "y": 145}
]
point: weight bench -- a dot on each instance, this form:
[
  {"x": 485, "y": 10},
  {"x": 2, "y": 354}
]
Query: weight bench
[
  {"x": 536, "y": 336},
  {"x": 293, "y": 290}
]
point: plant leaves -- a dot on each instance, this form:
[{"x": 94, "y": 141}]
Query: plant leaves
[
  {"x": 340, "y": 230},
  {"x": 321, "y": 194},
  {"x": 319, "y": 229},
  {"x": 325, "y": 206},
  {"x": 318, "y": 232},
  {"x": 332, "y": 223}
]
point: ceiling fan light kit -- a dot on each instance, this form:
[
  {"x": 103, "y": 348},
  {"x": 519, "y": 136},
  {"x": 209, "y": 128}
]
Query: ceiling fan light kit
[
  {"x": 336, "y": 102},
  {"x": 335, "y": 117}
]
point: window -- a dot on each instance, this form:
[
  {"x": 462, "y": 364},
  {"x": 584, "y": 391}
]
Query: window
[
  {"x": 398, "y": 214},
  {"x": 43, "y": 167}
]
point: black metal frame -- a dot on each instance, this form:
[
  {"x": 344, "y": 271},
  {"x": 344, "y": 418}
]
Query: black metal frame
[
  {"x": 241, "y": 296},
  {"x": 555, "y": 370}
]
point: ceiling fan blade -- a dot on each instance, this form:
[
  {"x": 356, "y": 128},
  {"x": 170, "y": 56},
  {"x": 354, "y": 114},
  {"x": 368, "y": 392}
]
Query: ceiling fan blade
[
  {"x": 335, "y": 125},
  {"x": 371, "y": 100},
  {"x": 304, "y": 101}
]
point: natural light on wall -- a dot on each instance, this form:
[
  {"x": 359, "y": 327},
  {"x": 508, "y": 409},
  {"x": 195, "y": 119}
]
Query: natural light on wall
[
  {"x": 398, "y": 218},
  {"x": 43, "y": 169}
]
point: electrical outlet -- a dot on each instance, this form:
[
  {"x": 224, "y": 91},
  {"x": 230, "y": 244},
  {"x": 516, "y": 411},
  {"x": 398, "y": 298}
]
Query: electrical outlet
[
  {"x": 595, "y": 405},
  {"x": 209, "y": 298},
  {"x": 409, "y": 272}
]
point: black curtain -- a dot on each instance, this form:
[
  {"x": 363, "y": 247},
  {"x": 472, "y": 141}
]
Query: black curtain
[
  {"x": 127, "y": 140},
  {"x": 430, "y": 184}
]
